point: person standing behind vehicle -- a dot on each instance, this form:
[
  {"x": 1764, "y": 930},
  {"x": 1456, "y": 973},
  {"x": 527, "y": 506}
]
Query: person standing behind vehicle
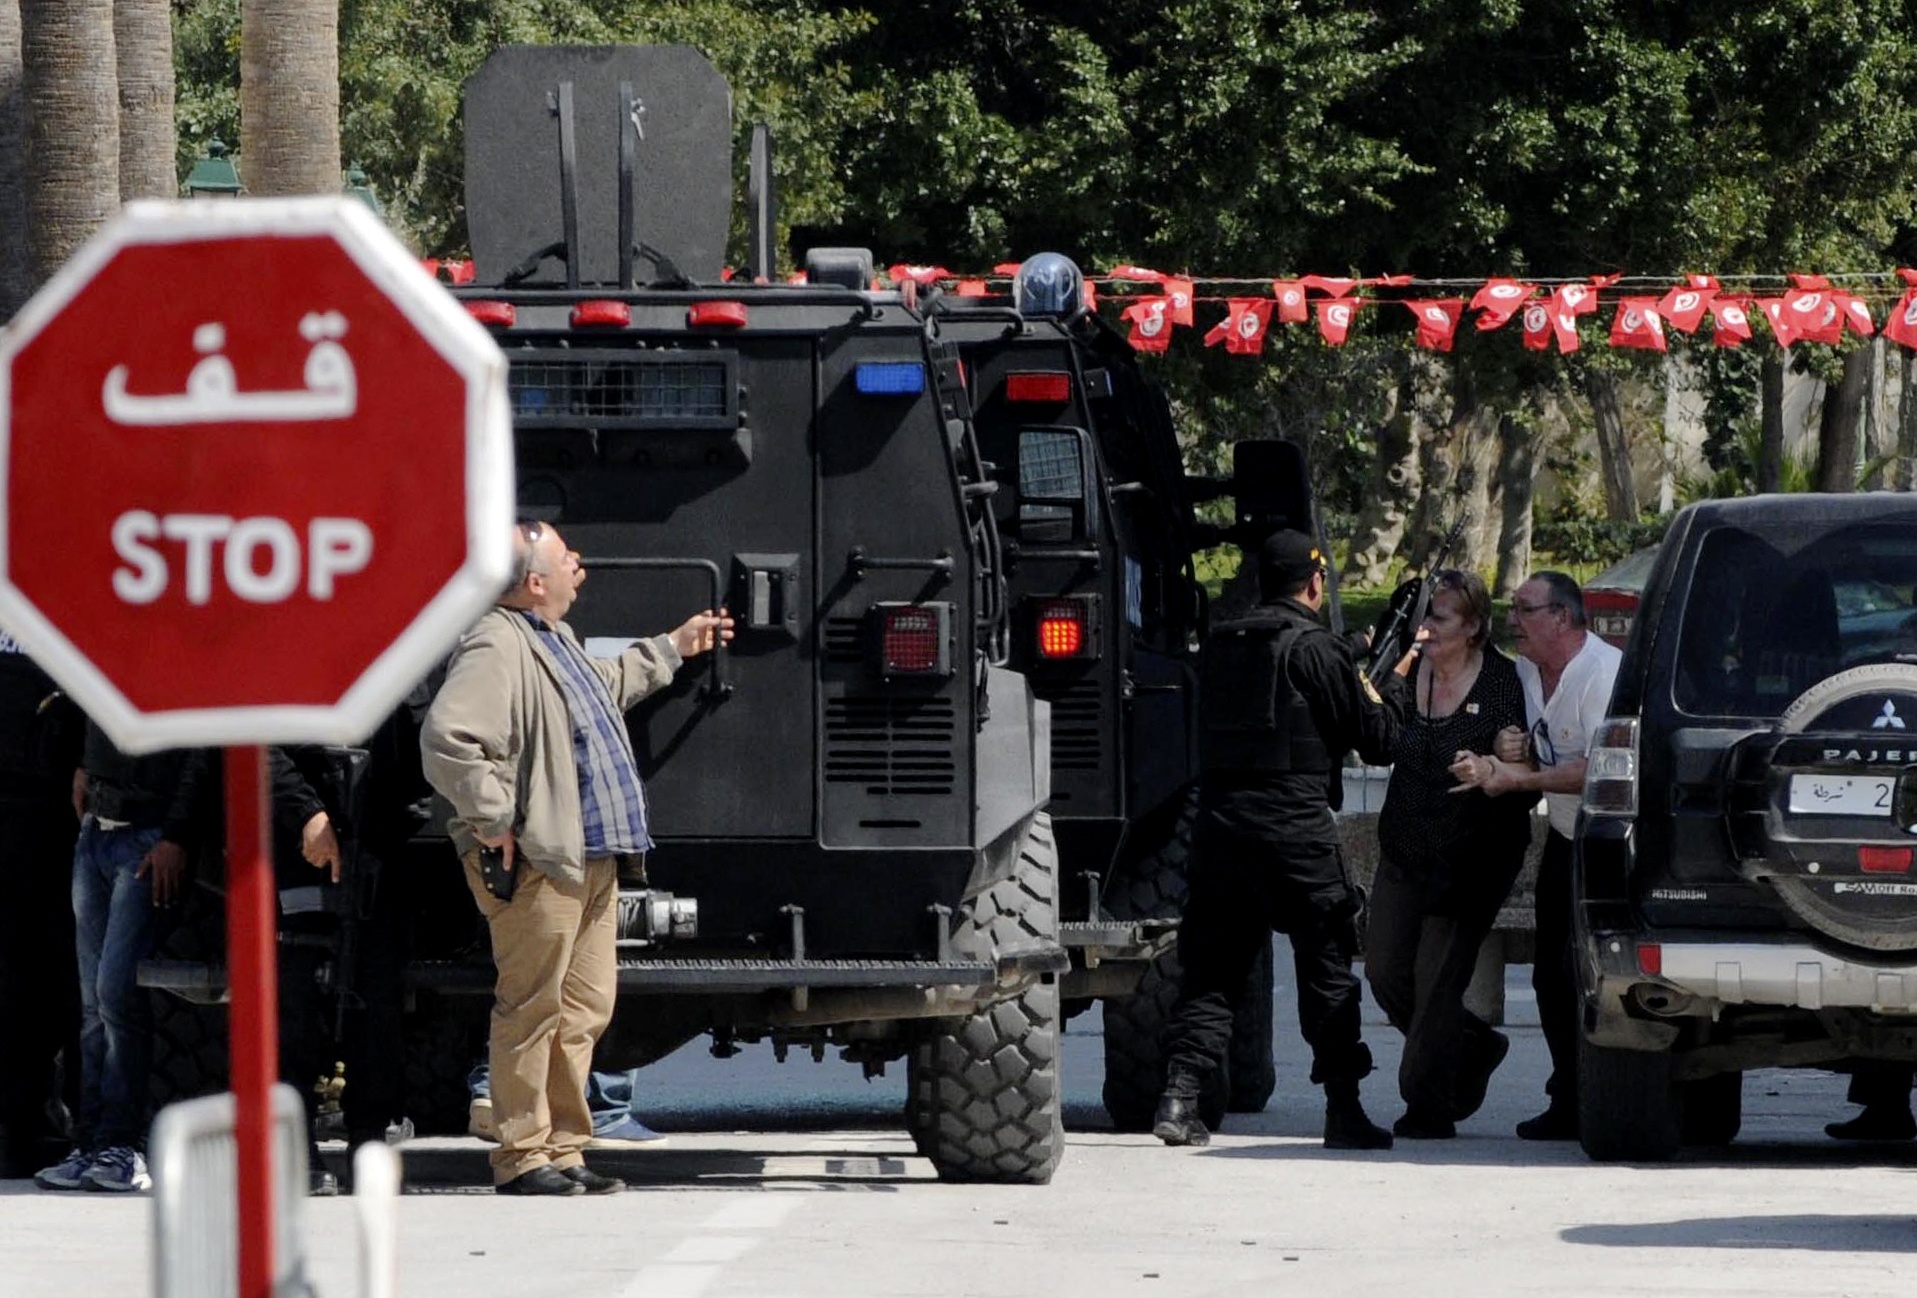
[
  {"x": 1567, "y": 675},
  {"x": 527, "y": 739},
  {"x": 1284, "y": 701},
  {"x": 1446, "y": 859},
  {"x": 141, "y": 820}
]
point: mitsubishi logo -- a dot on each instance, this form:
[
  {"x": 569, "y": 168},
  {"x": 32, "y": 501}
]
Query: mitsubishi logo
[{"x": 1889, "y": 720}]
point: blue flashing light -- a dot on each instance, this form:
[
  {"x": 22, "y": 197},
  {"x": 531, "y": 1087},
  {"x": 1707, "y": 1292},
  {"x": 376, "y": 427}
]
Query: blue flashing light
[{"x": 890, "y": 378}]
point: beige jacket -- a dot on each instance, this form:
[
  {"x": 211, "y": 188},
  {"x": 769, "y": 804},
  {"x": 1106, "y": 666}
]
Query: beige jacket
[{"x": 497, "y": 742}]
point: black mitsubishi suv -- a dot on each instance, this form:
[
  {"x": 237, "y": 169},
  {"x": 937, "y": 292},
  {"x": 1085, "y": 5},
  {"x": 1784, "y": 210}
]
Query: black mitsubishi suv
[{"x": 1744, "y": 879}]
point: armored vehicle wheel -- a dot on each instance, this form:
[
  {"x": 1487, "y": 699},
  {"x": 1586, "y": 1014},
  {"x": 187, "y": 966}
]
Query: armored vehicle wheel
[
  {"x": 1713, "y": 1109},
  {"x": 444, "y": 1039},
  {"x": 986, "y": 1104},
  {"x": 189, "y": 1049},
  {"x": 1629, "y": 1108}
]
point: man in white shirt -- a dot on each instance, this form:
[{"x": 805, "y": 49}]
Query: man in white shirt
[{"x": 1567, "y": 674}]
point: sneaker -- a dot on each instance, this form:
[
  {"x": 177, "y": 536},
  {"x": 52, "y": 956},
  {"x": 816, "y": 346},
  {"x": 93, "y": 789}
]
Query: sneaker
[
  {"x": 479, "y": 1120},
  {"x": 119, "y": 1169},
  {"x": 67, "y": 1174},
  {"x": 627, "y": 1133}
]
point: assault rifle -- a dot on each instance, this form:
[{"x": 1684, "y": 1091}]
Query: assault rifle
[{"x": 1397, "y": 631}]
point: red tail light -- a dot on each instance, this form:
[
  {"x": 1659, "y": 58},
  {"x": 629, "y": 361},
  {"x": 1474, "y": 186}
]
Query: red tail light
[
  {"x": 1065, "y": 628},
  {"x": 1035, "y": 387},
  {"x": 1650, "y": 958},
  {"x": 727, "y": 315},
  {"x": 1884, "y": 860},
  {"x": 493, "y": 313},
  {"x": 601, "y": 312},
  {"x": 915, "y": 639}
]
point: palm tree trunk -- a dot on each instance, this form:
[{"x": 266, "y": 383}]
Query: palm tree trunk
[
  {"x": 16, "y": 274},
  {"x": 1614, "y": 449},
  {"x": 1837, "y": 429},
  {"x": 143, "y": 43},
  {"x": 1770, "y": 447},
  {"x": 73, "y": 125},
  {"x": 1517, "y": 476},
  {"x": 289, "y": 96},
  {"x": 1395, "y": 481}
]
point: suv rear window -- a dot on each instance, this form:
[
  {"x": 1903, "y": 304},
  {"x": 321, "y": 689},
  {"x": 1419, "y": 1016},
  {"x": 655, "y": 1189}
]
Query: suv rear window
[{"x": 1768, "y": 617}]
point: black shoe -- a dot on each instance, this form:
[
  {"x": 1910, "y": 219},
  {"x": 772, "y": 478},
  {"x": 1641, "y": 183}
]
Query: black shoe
[
  {"x": 1555, "y": 1123},
  {"x": 593, "y": 1181},
  {"x": 545, "y": 1179},
  {"x": 1416, "y": 1125},
  {"x": 1177, "y": 1121},
  {"x": 321, "y": 1184},
  {"x": 1474, "y": 1079},
  {"x": 1348, "y": 1127},
  {"x": 1885, "y": 1122}
]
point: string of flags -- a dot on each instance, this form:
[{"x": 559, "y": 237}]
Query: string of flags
[{"x": 1806, "y": 308}]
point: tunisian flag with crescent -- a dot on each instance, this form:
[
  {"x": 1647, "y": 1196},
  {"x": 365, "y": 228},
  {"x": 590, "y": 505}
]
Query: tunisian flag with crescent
[
  {"x": 1901, "y": 327},
  {"x": 1247, "y": 321},
  {"x": 1730, "y": 321},
  {"x": 1151, "y": 320},
  {"x": 1637, "y": 324},
  {"x": 1291, "y": 301},
  {"x": 1437, "y": 321},
  {"x": 1334, "y": 320}
]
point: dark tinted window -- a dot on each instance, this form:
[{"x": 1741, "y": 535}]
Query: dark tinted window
[{"x": 1769, "y": 616}]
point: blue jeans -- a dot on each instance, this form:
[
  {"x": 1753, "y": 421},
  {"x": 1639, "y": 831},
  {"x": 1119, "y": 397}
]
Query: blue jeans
[
  {"x": 115, "y": 927},
  {"x": 608, "y": 1094}
]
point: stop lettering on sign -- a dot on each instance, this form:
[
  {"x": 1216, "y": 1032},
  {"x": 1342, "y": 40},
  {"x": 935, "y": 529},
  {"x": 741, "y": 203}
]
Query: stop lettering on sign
[{"x": 263, "y": 560}]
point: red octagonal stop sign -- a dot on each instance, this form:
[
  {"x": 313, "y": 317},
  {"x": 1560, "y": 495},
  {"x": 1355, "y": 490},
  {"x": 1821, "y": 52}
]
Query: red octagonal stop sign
[{"x": 258, "y": 473}]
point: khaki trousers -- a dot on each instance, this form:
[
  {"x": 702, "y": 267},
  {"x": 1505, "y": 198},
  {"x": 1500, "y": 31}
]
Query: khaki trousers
[{"x": 553, "y": 947}]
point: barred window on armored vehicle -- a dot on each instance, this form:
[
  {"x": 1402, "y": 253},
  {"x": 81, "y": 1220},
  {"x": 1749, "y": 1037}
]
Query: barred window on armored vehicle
[
  {"x": 1051, "y": 483},
  {"x": 1770, "y": 617}
]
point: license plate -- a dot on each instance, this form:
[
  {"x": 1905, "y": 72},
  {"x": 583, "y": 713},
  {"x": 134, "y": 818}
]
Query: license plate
[{"x": 1841, "y": 795}]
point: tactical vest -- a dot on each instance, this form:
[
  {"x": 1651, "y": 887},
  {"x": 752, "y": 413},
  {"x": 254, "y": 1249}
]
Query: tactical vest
[{"x": 1255, "y": 718}]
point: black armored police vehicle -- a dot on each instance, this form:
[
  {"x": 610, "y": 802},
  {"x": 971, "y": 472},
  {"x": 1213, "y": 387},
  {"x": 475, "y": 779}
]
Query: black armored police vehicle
[
  {"x": 938, "y": 786},
  {"x": 1744, "y": 885}
]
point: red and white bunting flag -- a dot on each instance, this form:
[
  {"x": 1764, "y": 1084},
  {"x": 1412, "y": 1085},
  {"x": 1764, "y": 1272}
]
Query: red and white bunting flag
[
  {"x": 1908, "y": 274},
  {"x": 1856, "y": 313},
  {"x": 1730, "y": 321},
  {"x": 1537, "y": 327},
  {"x": 1329, "y": 284},
  {"x": 923, "y": 276},
  {"x": 1334, "y": 320},
  {"x": 1901, "y": 327},
  {"x": 1091, "y": 296},
  {"x": 1564, "y": 327},
  {"x": 1247, "y": 321},
  {"x": 1500, "y": 299},
  {"x": 1815, "y": 316},
  {"x": 1437, "y": 320},
  {"x": 971, "y": 288},
  {"x": 1683, "y": 308},
  {"x": 1781, "y": 327},
  {"x": 1388, "y": 281},
  {"x": 1006, "y": 268},
  {"x": 1701, "y": 282},
  {"x": 796, "y": 277},
  {"x": 1180, "y": 293},
  {"x": 1151, "y": 321},
  {"x": 1138, "y": 273},
  {"x": 1808, "y": 283},
  {"x": 1637, "y": 324},
  {"x": 1577, "y": 299},
  {"x": 1291, "y": 301}
]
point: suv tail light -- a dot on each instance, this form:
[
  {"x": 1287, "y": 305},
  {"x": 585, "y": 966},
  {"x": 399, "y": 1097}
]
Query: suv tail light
[
  {"x": 492, "y": 313},
  {"x": 1065, "y": 628},
  {"x": 1883, "y": 860},
  {"x": 1038, "y": 387},
  {"x": 600, "y": 311},
  {"x": 1610, "y": 774},
  {"x": 915, "y": 639}
]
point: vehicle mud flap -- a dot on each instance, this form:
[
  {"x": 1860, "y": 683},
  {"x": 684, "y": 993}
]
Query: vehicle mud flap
[
  {"x": 1630, "y": 1106},
  {"x": 1713, "y": 1109},
  {"x": 190, "y": 1052},
  {"x": 984, "y": 1099}
]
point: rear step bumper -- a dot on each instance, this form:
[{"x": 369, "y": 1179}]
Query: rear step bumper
[{"x": 1793, "y": 974}]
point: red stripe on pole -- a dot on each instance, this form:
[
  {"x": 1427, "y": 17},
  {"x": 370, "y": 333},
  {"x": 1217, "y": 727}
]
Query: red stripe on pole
[{"x": 253, "y": 1016}]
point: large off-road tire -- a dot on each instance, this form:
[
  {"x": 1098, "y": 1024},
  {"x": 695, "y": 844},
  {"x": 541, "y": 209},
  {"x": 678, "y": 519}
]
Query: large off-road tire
[
  {"x": 445, "y": 1037},
  {"x": 190, "y": 1053},
  {"x": 1630, "y": 1109},
  {"x": 1150, "y": 884},
  {"x": 985, "y": 1101},
  {"x": 1713, "y": 1109}
]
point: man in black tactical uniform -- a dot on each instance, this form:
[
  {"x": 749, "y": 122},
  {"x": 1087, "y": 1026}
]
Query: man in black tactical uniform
[{"x": 1284, "y": 702}]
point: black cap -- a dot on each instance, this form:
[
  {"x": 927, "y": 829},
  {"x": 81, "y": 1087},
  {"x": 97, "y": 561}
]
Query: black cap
[{"x": 1285, "y": 561}]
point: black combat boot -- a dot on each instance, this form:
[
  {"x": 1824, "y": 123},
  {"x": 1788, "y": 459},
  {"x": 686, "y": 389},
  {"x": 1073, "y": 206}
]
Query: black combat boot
[
  {"x": 1177, "y": 1121},
  {"x": 1346, "y": 1124},
  {"x": 1876, "y": 1122}
]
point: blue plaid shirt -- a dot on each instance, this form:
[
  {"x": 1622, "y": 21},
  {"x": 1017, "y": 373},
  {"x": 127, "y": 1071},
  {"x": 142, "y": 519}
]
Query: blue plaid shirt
[{"x": 611, "y": 799}]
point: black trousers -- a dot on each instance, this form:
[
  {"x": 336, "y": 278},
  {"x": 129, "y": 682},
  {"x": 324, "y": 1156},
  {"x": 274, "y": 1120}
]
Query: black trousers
[
  {"x": 1553, "y": 975},
  {"x": 1419, "y": 965},
  {"x": 39, "y": 979},
  {"x": 1243, "y": 887}
]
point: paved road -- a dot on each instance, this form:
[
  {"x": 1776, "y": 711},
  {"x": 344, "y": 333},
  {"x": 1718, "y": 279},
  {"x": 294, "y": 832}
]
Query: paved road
[{"x": 791, "y": 1180}]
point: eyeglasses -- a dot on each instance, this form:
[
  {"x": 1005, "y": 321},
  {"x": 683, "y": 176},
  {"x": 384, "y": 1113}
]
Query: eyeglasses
[
  {"x": 1529, "y": 609},
  {"x": 532, "y": 529},
  {"x": 1541, "y": 746}
]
